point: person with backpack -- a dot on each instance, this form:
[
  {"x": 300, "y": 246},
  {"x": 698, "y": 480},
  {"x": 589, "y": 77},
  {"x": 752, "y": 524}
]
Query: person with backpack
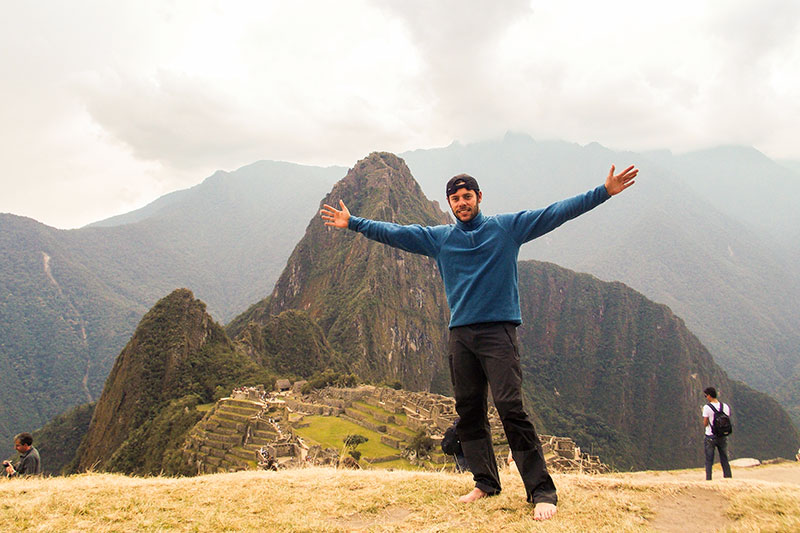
[{"x": 717, "y": 422}]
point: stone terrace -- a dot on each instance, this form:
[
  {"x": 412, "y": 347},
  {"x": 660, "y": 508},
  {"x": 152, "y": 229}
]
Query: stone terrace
[
  {"x": 230, "y": 436},
  {"x": 254, "y": 428}
]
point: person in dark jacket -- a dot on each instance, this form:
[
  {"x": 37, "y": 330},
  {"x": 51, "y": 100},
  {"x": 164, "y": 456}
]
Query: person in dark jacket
[
  {"x": 477, "y": 259},
  {"x": 29, "y": 464}
]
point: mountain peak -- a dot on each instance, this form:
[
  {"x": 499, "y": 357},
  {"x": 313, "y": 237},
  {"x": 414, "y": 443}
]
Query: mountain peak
[
  {"x": 381, "y": 308},
  {"x": 177, "y": 350},
  {"x": 381, "y": 187}
]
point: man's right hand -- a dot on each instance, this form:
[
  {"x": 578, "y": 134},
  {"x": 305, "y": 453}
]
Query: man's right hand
[{"x": 335, "y": 217}]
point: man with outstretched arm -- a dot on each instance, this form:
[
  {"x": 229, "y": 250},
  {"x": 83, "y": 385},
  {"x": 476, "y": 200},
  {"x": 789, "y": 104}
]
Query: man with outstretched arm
[{"x": 477, "y": 259}]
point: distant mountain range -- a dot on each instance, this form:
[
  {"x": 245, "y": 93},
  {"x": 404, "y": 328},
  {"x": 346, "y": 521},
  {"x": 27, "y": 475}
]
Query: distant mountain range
[
  {"x": 595, "y": 354},
  {"x": 70, "y": 300}
]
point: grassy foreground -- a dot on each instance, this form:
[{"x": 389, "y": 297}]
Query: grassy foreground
[{"x": 325, "y": 499}]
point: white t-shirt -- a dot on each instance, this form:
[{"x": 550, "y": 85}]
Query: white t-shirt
[{"x": 708, "y": 413}]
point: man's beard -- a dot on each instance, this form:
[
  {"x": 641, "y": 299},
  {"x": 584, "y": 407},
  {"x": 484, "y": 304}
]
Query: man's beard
[{"x": 473, "y": 211}]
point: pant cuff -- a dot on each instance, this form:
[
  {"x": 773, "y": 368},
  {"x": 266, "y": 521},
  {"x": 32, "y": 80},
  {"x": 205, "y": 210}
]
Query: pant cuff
[{"x": 488, "y": 489}]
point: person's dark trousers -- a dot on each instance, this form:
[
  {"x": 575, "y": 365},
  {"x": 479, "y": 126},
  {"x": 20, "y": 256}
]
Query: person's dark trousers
[
  {"x": 484, "y": 355},
  {"x": 719, "y": 443}
]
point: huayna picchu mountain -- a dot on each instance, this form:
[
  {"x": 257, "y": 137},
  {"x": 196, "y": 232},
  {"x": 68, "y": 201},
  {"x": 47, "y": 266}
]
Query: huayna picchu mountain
[
  {"x": 178, "y": 357},
  {"x": 382, "y": 309}
]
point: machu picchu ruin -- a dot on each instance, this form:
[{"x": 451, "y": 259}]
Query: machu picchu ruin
[{"x": 286, "y": 428}]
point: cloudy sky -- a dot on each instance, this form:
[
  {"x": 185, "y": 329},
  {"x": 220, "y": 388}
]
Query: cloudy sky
[{"x": 106, "y": 105}]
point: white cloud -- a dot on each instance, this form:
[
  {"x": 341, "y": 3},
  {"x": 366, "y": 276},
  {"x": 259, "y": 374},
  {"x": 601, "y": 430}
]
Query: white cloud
[{"x": 111, "y": 104}]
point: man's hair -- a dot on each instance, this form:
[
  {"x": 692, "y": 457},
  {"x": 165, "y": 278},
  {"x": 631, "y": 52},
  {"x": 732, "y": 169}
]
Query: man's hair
[
  {"x": 26, "y": 439},
  {"x": 711, "y": 391}
]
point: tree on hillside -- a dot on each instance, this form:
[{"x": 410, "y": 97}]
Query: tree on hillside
[
  {"x": 351, "y": 442},
  {"x": 420, "y": 446}
]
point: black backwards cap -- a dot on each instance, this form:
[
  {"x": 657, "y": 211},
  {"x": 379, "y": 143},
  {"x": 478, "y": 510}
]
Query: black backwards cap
[{"x": 461, "y": 181}]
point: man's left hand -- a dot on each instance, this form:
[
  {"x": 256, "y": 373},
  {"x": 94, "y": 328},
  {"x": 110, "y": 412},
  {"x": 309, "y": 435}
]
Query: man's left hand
[{"x": 616, "y": 183}]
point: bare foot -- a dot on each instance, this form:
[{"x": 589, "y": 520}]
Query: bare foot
[
  {"x": 544, "y": 511},
  {"x": 476, "y": 494}
]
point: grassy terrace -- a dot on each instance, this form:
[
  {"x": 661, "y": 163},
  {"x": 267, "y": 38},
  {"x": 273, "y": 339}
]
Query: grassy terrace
[
  {"x": 330, "y": 431},
  {"x": 401, "y": 419},
  {"x": 205, "y": 407}
]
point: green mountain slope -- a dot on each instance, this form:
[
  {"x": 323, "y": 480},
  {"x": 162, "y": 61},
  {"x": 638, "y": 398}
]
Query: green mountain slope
[
  {"x": 290, "y": 344},
  {"x": 59, "y": 439},
  {"x": 57, "y": 321},
  {"x": 177, "y": 357},
  {"x": 629, "y": 368}
]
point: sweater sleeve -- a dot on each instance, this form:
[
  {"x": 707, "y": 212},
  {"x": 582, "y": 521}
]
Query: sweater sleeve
[
  {"x": 528, "y": 225},
  {"x": 412, "y": 238}
]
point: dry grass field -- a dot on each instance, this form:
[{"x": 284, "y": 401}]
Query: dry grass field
[{"x": 764, "y": 498}]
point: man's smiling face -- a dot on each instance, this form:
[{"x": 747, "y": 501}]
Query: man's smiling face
[{"x": 465, "y": 203}]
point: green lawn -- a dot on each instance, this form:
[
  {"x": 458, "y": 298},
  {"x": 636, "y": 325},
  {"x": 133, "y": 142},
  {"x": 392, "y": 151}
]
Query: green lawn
[{"x": 330, "y": 431}]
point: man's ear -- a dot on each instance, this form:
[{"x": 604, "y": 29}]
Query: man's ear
[{"x": 480, "y": 196}]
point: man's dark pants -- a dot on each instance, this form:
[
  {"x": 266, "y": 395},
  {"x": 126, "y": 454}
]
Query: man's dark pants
[
  {"x": 487, "y": 354},
  {"x": 710, "y": 443}
]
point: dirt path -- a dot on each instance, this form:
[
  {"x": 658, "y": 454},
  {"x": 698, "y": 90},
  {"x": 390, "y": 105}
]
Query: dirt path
[
  {"x": 691, "y": 510},
  {"x": 695, "y": 507},
  {"x": 788, "y": 472}
]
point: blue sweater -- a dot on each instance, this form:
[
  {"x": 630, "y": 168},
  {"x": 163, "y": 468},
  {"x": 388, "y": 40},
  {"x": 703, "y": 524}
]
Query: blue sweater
[{"x": 478, "y": 259}]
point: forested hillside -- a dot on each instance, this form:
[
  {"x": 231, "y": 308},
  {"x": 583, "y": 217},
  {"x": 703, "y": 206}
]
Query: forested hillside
[{"x": 70, "y": 300}]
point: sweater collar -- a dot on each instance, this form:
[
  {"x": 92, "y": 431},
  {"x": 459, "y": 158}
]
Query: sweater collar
[{"x": 473, "y": 224}]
